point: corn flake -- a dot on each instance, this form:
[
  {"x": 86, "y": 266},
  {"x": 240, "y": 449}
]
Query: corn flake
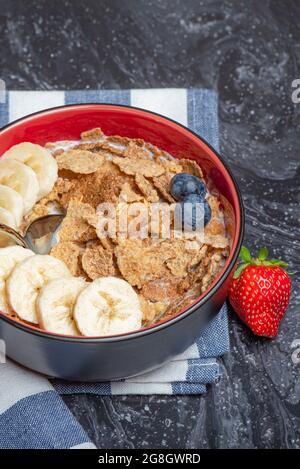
[
  {"x": 93, "y": 134},
  {"x": 150, "y": 310},
  {"x": 139, "y": 262},
  {"x": 146, "y": 188},
  {"x": 98, "y": 262},
  {"x": 128, "y": 194},
  {"x": 75, "y": 226},
  {"x": 133, "y": 166},
  {"x": 162, "y": 184},
  {"x": 80, "y": 161},
  {"x": 70, "y": 253},
  {"x": 191, "y": 167},
  {"x": 161, "y": 290}
]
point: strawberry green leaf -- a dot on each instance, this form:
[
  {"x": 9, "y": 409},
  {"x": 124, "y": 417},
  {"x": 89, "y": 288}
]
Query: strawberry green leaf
[
  {"x": 240, "y": 269},
  {"x": 263, "y": 254},
  {"x": 245, "y": 254},
  {"x": 279, "y": 263}
]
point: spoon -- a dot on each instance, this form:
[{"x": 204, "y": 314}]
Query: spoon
[{"x": 40, "y": 234}]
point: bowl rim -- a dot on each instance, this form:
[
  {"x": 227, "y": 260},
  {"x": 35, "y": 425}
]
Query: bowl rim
[{"x": 186, "y": 311}]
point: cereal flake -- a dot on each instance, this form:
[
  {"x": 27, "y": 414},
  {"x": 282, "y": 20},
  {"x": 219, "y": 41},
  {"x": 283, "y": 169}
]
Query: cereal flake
[
  {"x": 80, "y": 161},
  {"x": 98, "y": 262}
]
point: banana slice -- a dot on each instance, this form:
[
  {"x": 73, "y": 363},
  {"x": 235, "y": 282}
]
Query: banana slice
[
  {"x": 108, "y": 306},
  {"x": 7, "y": 219},
  {"x": 22, "y": 179},
  {"x": 26, "y": 281},
  {"x": 55, "y": 304},
  {"x": 9, "y": 258},
  {"x": 40, "y": 160},
  {"x": 13, "y": 202}
]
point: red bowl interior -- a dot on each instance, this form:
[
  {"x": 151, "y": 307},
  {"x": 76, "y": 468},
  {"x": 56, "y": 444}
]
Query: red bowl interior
[{"x": 66, "y": 123}]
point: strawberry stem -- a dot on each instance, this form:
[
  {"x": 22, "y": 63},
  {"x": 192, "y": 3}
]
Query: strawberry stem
[
  {"x": 261, "y": 259},
  {"x": 245, "y": 254},
  {"x": 263, "y": 254}
]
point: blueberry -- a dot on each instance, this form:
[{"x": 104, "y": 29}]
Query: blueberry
[
  {"x": 192, "y": 213},
  {"x": 184, "y": 184}
]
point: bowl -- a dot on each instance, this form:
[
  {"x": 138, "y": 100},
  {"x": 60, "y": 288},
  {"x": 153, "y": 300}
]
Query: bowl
[{"x": 117, "y": 357}]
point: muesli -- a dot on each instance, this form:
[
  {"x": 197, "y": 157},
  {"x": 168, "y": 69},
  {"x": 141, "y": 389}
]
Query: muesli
[{"x": 140, "y": 257}]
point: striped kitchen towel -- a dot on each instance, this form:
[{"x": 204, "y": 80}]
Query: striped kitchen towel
[
  {"x": 32, "y": 413},
  {"x": 188, "y": 373}
]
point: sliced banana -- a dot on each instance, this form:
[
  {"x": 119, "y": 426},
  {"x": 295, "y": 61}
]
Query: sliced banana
[
  {"x": 108, "y": 306},
  {"x": 9, "y": 258},
  {"x": 55, "y": 304},
  {"x": 22, "y": 179},
  {"x": 26, "y": 281},
  {"x": 12, "y": 201},
  {"x": 40, "y": 160},
  {"x": 8, "y": 219}
]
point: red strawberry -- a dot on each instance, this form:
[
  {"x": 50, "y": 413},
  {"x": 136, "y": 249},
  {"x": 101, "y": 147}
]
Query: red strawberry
[{"x": 260, "y": 292}]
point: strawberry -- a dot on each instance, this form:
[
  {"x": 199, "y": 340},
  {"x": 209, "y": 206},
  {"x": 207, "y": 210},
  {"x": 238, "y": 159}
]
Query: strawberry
[{"x": 260, "y": 292}]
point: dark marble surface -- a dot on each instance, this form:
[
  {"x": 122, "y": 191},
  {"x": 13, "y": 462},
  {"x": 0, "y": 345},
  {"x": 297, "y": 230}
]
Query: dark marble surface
[{"x": 250, "y": 52}]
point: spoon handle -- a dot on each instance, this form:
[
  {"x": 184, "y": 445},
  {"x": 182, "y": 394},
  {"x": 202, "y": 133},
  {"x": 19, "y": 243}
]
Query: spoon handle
[{"x": 14, "y": 235}]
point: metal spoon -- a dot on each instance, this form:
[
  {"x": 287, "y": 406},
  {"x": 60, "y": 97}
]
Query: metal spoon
[{"x": 40, "y": 234}]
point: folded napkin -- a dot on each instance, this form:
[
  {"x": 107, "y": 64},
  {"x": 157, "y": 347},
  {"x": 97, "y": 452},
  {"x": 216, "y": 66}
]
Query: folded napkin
[
  {"x": 32, "y": 414},
  {"x": 188, "y": 373}
]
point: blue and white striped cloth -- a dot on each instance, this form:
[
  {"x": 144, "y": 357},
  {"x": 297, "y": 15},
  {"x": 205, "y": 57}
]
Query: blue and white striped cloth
[{"x": 32, "y": 414}]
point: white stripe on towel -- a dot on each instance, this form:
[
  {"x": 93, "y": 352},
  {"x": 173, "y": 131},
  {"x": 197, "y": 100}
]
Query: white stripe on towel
[
  {"x": 84, "y": 446},
  {"x": 22, "y": 103},
  {"x": 170, "y": 102},
  {"x": 140, "y": 388},
  {"x": 18, "y": 383},
  {"x": 172, "y": 371}
]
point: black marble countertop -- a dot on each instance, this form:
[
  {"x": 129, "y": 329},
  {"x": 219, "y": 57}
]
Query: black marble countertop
[{"x": 249, "y": 51}]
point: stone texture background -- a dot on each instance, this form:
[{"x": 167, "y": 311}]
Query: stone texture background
[{"x": 249, "y": 51}]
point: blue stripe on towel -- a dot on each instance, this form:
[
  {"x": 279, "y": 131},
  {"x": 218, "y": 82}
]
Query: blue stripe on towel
[
  {"x": 188, "y": 388},
  {"x": 214, "y": 340},
  {"x": 98, "y": 96},
  {"x": 66, "y": 387},
  {"x": 203, "y": 114},
  {"x": 4, "y": 109},
  {"x": 202, "y": 371},
  {"x": 41, "y": 421}
]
